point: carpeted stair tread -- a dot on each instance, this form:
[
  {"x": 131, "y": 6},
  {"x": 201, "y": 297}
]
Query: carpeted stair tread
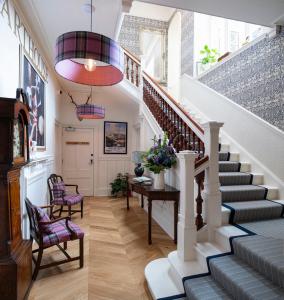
[
  {"x": 235, "y": 178},
  {"x": 229, "y": 166},
  {"x": 242, "y": 281},
  {"x": 269, "y": 228},
  {"x": 205, "y": 288},
  {"x": 248, "y": 211},
  {"x": 237, "y": 193},
  {"x": 263, "y": 254},
  {"x": 224, "y": 156}
]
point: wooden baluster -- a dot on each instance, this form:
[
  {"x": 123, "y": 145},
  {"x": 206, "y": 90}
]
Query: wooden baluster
[
  {"x": 194, "y": 141},
  {"x": 200, "y": 182},
  {"x": 132, "y": 71},
  {"x": 199, "y": 146},
  {"x": 127, "y": 67},
  {"x": 137, "y": 75}
]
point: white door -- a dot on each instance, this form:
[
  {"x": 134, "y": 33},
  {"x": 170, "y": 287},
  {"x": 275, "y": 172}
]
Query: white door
[{"x": 78, "y": 159}]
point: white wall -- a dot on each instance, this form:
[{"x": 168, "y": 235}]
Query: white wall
[
  {"x": 34, "y": 175},
  {"x": 119, "y": 107},
  {"x": 174, "y": 55}
]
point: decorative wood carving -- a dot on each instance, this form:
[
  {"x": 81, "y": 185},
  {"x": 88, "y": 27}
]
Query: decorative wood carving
[{"x": 15, "y": 253}]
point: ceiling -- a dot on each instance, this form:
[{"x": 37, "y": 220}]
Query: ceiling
[
  {"x": 260, "y": 12},
  {"x": 151, "y": 11},
  {"x": 51, "y": 18}
]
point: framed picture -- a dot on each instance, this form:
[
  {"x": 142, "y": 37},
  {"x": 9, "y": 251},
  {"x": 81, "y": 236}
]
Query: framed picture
[
  {"x": 34, "y": 88},
  {"x": 115, "y": 137}
]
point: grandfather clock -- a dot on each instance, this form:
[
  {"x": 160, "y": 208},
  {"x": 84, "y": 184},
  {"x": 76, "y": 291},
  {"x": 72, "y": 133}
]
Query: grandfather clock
[{"x": 15, "y": 252}]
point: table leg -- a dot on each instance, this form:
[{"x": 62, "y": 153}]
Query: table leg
[
  {"x": 142, "y": 201},
  {"x": 127, "y": 196},
  {"x": 175, "y": 220},
  {"x": 149, "y": 221}
]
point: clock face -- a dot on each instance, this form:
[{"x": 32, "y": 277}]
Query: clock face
[{"x": 19, "y": 138}]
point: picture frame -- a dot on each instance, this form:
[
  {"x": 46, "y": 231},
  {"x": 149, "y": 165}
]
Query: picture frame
[
  {"x": 33, "y": 87},
  {"x": 115, "y": 137}
]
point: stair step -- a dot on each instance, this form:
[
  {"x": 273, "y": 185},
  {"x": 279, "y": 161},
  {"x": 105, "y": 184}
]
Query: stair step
[
  {"x": 224, "y": 147},
  {"x": 235, "y": 178},
  {"x": 263, "y": 254},
  {"x": 223, "y": 234},
  {"x": 229, "y": 166},
  {"x": 272, "y": 192},
  {"x": 205, "y": 288},
  {"x": 205, "y": 250},
  {"x": 224, "y": 156},
  {"x": 237, "y": 193},
  {"x": 160, "y": 283},
  {"x": 249, "y": 211},
  {"x": 242, "y": 281}
]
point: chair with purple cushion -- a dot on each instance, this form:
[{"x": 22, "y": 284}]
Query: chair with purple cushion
[
  {"x": 58, "y": 195},
  {"x": 48, "y": 232}
]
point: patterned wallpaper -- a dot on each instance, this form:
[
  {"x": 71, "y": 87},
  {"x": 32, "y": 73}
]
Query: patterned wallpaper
[
  {"x": 187, "y": 42},
  {"x": 254, "y": 79},
  {"x": 129, "y": 36}
]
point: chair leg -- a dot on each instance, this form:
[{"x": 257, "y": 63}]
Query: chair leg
[
  {"x": 65, "y": 245},
  {"x": 82, "y": 206},
  {"x": 69, "y": 211},
  {"x": 37, "y": 265},
  {"x": 61, "y": 209},
  {"x": 81, "y": 252}
]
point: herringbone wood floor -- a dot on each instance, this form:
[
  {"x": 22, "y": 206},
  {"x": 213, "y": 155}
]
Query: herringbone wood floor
[{"x": 116, "y": 253}]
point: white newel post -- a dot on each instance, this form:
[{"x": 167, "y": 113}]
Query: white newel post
[
  {"x": 212, "y": 195},
  {"x": 186, "y": 225}
]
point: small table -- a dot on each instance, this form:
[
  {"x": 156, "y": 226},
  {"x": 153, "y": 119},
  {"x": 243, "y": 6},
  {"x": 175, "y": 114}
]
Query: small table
[{"x": 167, "y": 194}]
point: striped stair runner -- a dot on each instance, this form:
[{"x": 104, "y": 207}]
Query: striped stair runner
[
  {"x": 255, "y": 268},
  {"x": 255, "y": 271},
  {"x": 246, "y": 201}
]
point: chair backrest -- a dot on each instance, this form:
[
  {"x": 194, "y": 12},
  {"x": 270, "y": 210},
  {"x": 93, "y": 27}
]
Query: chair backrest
[
  {"x": 33, "y": 218},
  {"x": 52, "y": 179}
]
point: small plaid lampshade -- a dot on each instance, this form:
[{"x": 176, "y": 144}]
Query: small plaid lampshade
[{"x": 90, "y": 111}]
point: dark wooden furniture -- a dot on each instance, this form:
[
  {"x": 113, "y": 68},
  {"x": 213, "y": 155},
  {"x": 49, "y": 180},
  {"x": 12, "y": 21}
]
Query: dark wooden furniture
[
  {"x": 64, "y": 199},
  {"x": 15, "y": 252},
  {"x": 63, "y": 231},
  {"x": 167, "y": 194}
]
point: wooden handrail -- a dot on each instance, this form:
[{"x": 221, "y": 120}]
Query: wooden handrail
[
  {"x": 201, "y": 161},
  {"x": 157, "y": 85},
  {"x": 132, "y": 56}
]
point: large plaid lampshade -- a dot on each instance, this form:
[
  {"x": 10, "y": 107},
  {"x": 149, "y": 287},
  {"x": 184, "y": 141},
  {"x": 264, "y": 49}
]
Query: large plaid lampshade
[
  {"x": 90, "y": 111},
  {"x": 76, "y": 45}
]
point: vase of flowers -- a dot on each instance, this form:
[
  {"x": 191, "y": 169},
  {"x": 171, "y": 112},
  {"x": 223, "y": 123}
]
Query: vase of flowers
[{"x": 158, "y": 158}]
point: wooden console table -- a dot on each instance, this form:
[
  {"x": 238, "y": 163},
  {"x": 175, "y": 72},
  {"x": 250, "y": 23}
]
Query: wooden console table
[{"x": 167, "y": 194}]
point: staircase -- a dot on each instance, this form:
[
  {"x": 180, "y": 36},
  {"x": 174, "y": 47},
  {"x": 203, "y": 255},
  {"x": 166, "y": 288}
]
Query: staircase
[{"x": 233, "y": 251}]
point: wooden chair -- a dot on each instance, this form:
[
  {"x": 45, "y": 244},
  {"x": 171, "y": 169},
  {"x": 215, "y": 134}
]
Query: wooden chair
[
  {"x": 58, "y": 195},
  {"x": 52, "y": 232}
]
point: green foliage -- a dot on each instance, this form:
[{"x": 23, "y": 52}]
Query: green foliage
[
  {"x": 119, "y": 185},
  {"x": 160, "y": 156},
  {"x": 209, "y": 55}
]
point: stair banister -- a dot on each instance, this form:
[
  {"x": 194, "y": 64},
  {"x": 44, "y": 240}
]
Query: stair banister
[
  {"x": 187, "y": 231},
  {"x": 212, "y": 194},
  {"x": 197, "y": 146}
]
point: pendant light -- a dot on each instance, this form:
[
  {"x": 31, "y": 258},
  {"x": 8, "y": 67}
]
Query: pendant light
[
  {"x": 89, "y": 58},
  {"x": 88, "y": 110}
]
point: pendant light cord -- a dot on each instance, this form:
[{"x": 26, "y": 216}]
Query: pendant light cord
[{"x": 91, "y": 15}]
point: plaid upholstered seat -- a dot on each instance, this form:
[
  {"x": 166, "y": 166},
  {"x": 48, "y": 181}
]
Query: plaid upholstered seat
[
  {"x": 59, "y": 196},
  {"x": 49, "y": 231},
  {"x": 60, "y": 233},
  {"x": 70, "y": 199}
]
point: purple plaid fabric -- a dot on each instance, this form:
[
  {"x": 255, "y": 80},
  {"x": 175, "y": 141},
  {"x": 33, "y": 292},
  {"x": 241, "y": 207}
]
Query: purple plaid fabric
[
  {"x": 43, "y": 217},
  {"x": 61, "y": 234},
  {"x": 58, "y": 188},
  {"x": 71, "y": 199},
  {"x": 84, "y": 44},
  {"x": 90, "y": 111}
]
